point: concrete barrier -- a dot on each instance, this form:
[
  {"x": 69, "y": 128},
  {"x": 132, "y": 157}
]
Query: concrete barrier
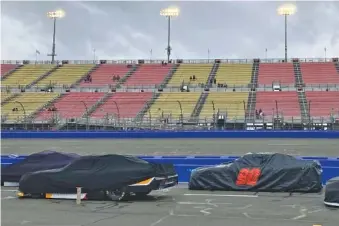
[
  {"x": 151, "y": 134},
  {"x": 185, "y": 164}
]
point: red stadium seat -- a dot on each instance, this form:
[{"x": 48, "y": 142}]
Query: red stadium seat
[
  {"x": 319, "y": 73},
  {"x": 7, "y": 68},
  {"x": 323, "y": 104},
  {"x": 276, "y": 72}
]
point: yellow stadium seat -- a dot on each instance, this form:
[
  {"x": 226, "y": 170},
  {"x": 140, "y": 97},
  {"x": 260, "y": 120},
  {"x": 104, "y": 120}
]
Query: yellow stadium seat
[
  {"x": 231, "y": 103},
  {"x": 185, "y": 71},
  {"x": 27, "y": 74},
  {"x": 167, "y": 105},
  {"x": 67, "y": 74},
  {"x": 31, "y": 102},
  {"x": 4, "y": 96},
  {"x": 234, "y": 74}
]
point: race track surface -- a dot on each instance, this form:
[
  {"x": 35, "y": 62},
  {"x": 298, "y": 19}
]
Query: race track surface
[
  {"x": 178, "y": 206},
  {"x": 298, "y": 147}
]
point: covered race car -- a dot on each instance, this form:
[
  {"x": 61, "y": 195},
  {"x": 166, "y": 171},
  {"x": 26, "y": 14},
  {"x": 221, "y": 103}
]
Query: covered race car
[
  {"x": 11, "y": 174},
  {"x": 332, "y": 192},
  {"x": 100, "y": 177},
  {"x": 260, "y": 173}
]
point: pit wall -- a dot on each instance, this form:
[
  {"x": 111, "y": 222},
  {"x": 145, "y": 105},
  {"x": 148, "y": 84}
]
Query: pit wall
[
  {"x": 168, "y": 134},
  {"x": 185, "y": 164}
]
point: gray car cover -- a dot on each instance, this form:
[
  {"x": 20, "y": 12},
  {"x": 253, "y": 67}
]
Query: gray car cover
[
  {"x": 260, "y": 173},
  {"x": 332, "y": 192}
]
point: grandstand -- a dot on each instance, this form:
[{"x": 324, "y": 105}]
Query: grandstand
[
  {"x": 183, "y": 75},
  {"x": 319, "y": 73},
  {"x": 282, "y": 73},
  {"x": 6, "y": 68},
  {"x": 234, "y": 74},
  {"x": 323, "y": 104}
]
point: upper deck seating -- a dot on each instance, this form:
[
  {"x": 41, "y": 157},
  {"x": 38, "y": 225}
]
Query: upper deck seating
[
  {"x": 71, "y": 105},
  {"x": 185, "y": 71},
  {"x": 231, "y": 103},
  {"x": 286, "y": 101},
  {"x": 67, "y": 74},
  {"x": 234, "y": 74},
  {"x": 31, "y": 102},
  {"x": 323, "y": 104},
  {"x": 123, "y": 105},
  {"x": 276, "y": 72},
  {"x": 167, "y": 105},
  {"x": 27, "y": 74},
  {"x": 104, "y": 74},
  {"x": 149, "y": 75},
  {"x": 319, "y": 73},
  {"x": 5, "y": 68}
]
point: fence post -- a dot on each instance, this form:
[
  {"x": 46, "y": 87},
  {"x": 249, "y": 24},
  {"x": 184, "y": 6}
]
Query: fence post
[
  {"x": 78, "y": 200},
  {"x": 23, "y": 108}
]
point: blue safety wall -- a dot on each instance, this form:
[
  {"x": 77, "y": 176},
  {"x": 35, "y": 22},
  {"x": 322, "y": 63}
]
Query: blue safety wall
[
  {"x": 167, "y": 134},
  {"x": 185, "y": 164}
]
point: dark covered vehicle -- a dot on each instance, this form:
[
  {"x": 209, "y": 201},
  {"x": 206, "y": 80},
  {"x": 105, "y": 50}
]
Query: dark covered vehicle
[
  {"x": 260, "y": 173},
  {"x": 332, "y": 192},
  {"x": 44, "y": 160},
  {"x": 100, "y": 177}
]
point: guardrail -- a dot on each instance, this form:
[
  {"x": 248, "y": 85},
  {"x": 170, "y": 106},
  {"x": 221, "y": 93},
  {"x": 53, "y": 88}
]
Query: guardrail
[
  {"x": 185, "y": 164},
  {"x": 153, "y": 134}
]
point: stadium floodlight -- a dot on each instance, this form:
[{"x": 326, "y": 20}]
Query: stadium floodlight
[
  {"x": 169, "y": 13},
  {"x": 54, "y": 15},
  {"x": 286, "y": 10}
]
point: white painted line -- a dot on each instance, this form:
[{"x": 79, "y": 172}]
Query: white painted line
[
  {"x": 14, "y": 190},
  {"x": 8, "y": 197},
  {"x": 223, "y": 195}
]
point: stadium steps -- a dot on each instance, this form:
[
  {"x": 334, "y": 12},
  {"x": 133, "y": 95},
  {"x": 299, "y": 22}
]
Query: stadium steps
[
  {"x": 304, "y": 109},
  {"x": 337, "y": 66},
  {"x": 297, "y": 73},
  {"x": 198, "y": 107},
  {"x": 10, "y": 72},
  {"x": 46, "y": 105},
  {"x": 97, "y": 105},
  {"x": 250, "y": 111},
  {"x": 255, "y": 74},
  {"x": 8, "y": 99},
  {"x": 147, "y": 106},
  {"x": 127, "y": 75},
  {"x": 94, "y": 68},
  {"x": 212, "y": 74},
  {"x": 169, "y": 75},
  {"x": 44, "y": 75}
]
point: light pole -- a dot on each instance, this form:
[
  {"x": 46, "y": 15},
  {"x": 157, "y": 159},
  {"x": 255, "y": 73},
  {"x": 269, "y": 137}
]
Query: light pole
[
  {"x": 286, "y": 10},
  {"x": 54, "y": 15},
  {"x": 169, "y": 13}
]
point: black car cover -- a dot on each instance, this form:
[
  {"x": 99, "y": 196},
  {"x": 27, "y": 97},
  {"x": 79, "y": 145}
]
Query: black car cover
[
  {"x": 94, "y": 173},
  {"x": 260, "y": 173},
  {"x": 332, "y": 192},
  {"x": 38, "y": 161}
]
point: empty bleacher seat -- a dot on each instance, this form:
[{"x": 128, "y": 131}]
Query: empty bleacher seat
[
  {"x": 67, "y": 74},
  {"x": 149, "y": 75},
  {"x": 71, "y": 105},
  {"x": 285, "y": 103},
  {"x": 319, "y": 73},
  {"x": 27, "y": 74},
  {"x": 31, "y": 102},
  {"x": 5, "y": 68},
  {"x": 167, "y": 105},
  {"x": 185, "y": 71},
  {"x": 234, "y": 74},
  {"x": 233, "y": 104},
  {"x": 276, "y": 72},
  {"x": 323, "y": 104},
  {"x": 122, "y": 105},
  {"x": 103, "y": 75},
  {"x": 5, "y": 96}
]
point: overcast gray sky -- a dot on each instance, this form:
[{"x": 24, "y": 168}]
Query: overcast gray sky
[{"x": 128, "y": 30}]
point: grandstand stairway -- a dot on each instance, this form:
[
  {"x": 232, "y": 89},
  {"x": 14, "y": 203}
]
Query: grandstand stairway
[
  {"x": 7, "y": 98},
  {"x": 93, "y": 69},
  {"x": 44, "y": 76},
  {"x": 303, "y": 106},
  {"x": 255, "y": 73},
  {"x": 169, "y": 75},
  {"x": 212, "y": 74},
  {"x": 127, "y": 75},
  {"x": 250, "y": 111},
  {"x": 97, "y": 105},
  {"x": 9, "y": 71},
  {"x": 337, "y": 66},
  {"x": 297, "y": 73},
  {"x": 198, "y": 107},
  {"x": 144, "y": 110}
]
